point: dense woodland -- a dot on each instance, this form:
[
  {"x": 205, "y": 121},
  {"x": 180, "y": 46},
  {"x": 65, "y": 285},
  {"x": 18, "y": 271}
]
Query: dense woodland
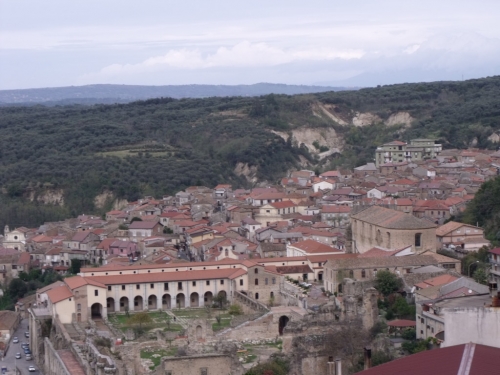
[{"x": 160, "y": 146}]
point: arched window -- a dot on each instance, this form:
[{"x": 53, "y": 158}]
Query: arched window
[
  {"x": 256, "y": 281},
  {"x": 418, "y": 239},
  {"x": 274, "y": 280},
  {"x": 256, "y": 270},
  {"x": 256, "y": 295}
]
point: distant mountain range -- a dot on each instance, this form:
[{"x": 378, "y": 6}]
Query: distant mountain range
[{"x": 109, "y": 94}]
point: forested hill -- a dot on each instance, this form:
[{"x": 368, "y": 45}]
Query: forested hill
[
  {"x": 110, "y": 94},
  {"x": 71, "y": 154}
]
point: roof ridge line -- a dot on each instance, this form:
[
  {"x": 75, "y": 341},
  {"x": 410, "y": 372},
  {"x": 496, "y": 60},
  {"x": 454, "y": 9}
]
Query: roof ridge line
[{"x": 467, "y": 358}]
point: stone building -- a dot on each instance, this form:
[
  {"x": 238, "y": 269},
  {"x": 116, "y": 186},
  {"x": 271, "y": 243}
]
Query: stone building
[
  {"x": 336, "y": 270},
  {"x": 100, "y": 291},
  {"x": 390, "y": 229}
]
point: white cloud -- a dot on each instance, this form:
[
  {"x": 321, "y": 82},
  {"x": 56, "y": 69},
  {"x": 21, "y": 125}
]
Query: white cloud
[{"x": 241, "y": 55}]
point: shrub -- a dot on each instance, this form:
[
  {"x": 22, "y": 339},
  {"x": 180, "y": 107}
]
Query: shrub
[{"x": 235, "y": 309}]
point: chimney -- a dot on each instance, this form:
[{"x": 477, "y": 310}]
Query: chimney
[
  {"x": 338, "y": 366},
  {"x": 368, "y": 357}
]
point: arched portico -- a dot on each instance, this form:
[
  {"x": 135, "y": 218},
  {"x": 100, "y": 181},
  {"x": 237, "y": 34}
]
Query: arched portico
[
  {"x": 166, "y": 301},
  {"x": 152, "y": 302},
  {"x": 138, "y": 303},
  {"x": 96, "y": 311},
  {"x": 180, "y": 300},
  {"x": 110, "y": 304},
  {"x": 124, "y": 306},
  {"x": 208, "y": 298},
  {"x": 195, "y": 300}
]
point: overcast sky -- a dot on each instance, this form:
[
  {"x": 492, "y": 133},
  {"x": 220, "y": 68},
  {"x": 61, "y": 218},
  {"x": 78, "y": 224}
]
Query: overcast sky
[{"x": 159, "y": 42}]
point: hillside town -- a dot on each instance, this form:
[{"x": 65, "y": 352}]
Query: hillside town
[{"x": 229, "y": 278}]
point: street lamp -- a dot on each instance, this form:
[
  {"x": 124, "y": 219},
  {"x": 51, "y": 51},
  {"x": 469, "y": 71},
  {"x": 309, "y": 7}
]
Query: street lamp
[{"x": 468, "y": 273}]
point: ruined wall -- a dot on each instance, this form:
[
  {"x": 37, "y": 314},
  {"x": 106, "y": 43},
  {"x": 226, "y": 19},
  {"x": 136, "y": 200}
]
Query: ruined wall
[
  {"x": 53, "y": 364},
  {"x": 360, "y": 301},
  {"x": 203, "y": 364}
]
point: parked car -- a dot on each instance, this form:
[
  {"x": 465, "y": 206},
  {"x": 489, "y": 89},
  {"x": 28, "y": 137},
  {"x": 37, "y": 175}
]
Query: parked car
[
  {"x": 15, "y": 340},
  {"x": 29, "y": 357},
  {"x": 31, "y": 369},
  {"x": 27, "y": 334},
  {"x": 27, "y": 351},
  {"x": 24, "y": 345},
  {"x": 18, "y": 355}
]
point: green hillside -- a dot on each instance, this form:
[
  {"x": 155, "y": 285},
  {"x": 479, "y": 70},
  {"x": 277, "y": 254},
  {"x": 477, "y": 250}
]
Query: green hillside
[{"x": 160, "y": 146}]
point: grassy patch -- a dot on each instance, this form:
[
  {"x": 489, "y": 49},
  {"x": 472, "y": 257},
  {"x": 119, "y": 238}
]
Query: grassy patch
[
  {"x": 247, "y": 356},
  {"x": 160, "y": 320},
  {"x": 198, "y": 313},
  {"x": 157, "y": 354},
  {"x": 224, "y": 323}
]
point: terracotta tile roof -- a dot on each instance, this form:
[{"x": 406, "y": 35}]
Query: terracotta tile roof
[
  {"x": 142, "y": 225},
  {"x": 106, "y": 268},
  {"x": 59, "y": 294},
  {"x": 382, "y": 262},
  {"x": 387, "y": 218},
  {"x": 327, "y": 209},
  {"x": 23, "y": 259},
  {"x": 449, "y": 227},
  {"x": 311, "y": 247},
  {"x": 284, "y": 204},
  {"x": 453, "y": 360},
  {"x": 436, "y": 281},
  {"x": 78, "y": 281},
  {"x": 8, "y": 320},
  {"x": 294, "y": 269},
  {"x": 225, "y": 273}
]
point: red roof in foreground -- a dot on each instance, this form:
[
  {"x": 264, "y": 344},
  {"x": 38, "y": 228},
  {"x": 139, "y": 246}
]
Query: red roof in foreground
[
  {"x": 454, "y": 360},
  {"x": 402, "y": 323}
]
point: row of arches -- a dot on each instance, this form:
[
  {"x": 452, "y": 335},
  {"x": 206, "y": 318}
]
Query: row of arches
[{"x": 138, "y": 304}]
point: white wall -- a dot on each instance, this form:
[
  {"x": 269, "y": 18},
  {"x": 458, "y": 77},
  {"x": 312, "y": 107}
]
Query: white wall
[{"x": 480, "y": 325}]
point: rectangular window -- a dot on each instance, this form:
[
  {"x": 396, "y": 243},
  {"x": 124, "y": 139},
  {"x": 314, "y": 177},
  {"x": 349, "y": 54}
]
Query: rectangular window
[
  {"x": 208, "y": 282},
  {"x": 241, "y": 282},
  {"x": 137, "y": 286},
  {"x": 194, "y": 283},
  {"x": 222, "y": 282},
  {"x": 109, "y": 287},
  {"x": 152, "y": 286},
  {"x": 179, "y": 285},
  {"x": 96, "y": 292},
  {"x": 165, "y": 286},
  {"x": 203, "y": 371}
]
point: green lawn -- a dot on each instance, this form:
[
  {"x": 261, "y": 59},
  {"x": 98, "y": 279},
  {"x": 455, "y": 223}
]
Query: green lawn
[
  {"x": 224, "y": 323},
  {"x": 160, "y": 320},
  {"x": 197, "y": 313},
  {"x": 156, "y": 355}
]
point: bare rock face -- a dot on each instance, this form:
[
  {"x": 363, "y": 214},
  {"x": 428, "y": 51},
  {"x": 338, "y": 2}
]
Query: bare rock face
[
  {"x": 364, "y": 119},
  {"x": 399, "y": 118}
]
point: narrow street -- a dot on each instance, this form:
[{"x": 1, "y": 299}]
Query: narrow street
[{"x": 10, "y": 360}]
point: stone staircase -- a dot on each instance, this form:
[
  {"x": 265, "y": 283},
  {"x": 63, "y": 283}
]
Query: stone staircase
[
  {"x": 263, "y": 319},
  {"x": 72, "y": 332}
]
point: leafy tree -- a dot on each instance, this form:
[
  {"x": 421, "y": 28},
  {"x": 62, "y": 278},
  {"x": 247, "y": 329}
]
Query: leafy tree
[
  {"x": 76, "y": 265},
  {"x": 235, "y": 309},
  {"x": 409, "y": 334},
  {"x": 220, "y": 300},
  {"x": 140, "y": 319},
  {"x": 17, "y": 289},
  {"x": 481, "y": 276},
  {"x": 387, "y": 282}
]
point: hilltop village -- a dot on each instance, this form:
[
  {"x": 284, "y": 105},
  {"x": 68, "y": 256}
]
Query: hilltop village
[{"x": 227, "y": 279}]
